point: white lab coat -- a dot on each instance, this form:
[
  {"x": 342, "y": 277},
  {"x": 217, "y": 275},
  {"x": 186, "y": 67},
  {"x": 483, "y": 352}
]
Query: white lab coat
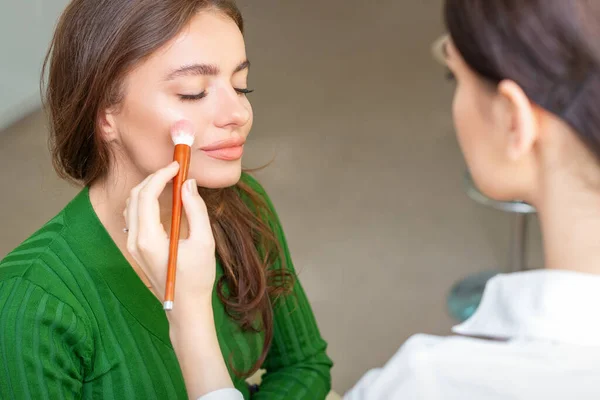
[{"x": 536, "y": 335}]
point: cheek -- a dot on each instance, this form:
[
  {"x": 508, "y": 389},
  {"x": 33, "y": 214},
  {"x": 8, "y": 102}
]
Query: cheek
[
  {"x": 472, "y": 134},
  {"x": 149, "y": 150},
  {"x": 475, "y": 134},
  {"x": 144, "y": 128},
  {"x": 464, "y": 123}
]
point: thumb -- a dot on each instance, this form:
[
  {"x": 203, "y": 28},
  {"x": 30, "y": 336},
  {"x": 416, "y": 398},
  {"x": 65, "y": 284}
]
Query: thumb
[{"x": 196, "y": 213}]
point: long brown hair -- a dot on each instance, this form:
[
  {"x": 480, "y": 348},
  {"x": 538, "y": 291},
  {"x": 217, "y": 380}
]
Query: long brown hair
[
  {"x": 96, "y": 43},
  {"x": 549, "y": 47}
]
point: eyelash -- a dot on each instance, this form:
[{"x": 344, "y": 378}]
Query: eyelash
[{"x": 199, "y": 96}]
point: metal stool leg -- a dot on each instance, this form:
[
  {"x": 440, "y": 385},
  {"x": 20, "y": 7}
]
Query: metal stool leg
[{"x": 518, "y": 243}]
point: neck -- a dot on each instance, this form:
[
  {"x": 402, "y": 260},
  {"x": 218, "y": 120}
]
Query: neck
[
  {"x": 570, "y": 221},
  {"x": 109, "y": 197}
]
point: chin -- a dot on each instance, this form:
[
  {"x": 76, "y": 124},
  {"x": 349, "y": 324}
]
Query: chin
[{"x": 217, "y": 177}]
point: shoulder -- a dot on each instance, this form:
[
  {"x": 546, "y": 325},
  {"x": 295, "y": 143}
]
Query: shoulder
[
  {"x": 33, "y": 319},
  {"x": 418, "y": 351},
  {"x": 255, "y": 196},
  {"x": 250, "y": 182},
  {"x": 427, "y": 364},
  {"x": 48, "y": 248},
  {"x": 26, "y": 256},
  {"x": 405, "y": 374},
  {"x": 40, "y": 262},
  {"x": 439, "y": 354}
]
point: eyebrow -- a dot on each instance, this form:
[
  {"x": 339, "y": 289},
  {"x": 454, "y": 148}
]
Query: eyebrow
[{"x": 203, "y": 69}]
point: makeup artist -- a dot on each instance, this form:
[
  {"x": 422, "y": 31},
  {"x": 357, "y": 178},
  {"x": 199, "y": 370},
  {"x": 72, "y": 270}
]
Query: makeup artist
[{"x": 79, "y": 317}]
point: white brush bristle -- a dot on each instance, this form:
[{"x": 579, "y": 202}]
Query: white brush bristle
[
  {"x": 183, "y": 133},
  {"x": 183, "y": 138}
]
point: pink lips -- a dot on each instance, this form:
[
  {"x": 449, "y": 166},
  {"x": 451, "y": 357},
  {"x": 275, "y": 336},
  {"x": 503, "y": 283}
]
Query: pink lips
[{"x": 227, "y": 150}]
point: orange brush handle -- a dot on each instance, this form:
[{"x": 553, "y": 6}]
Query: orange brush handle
[{"x": 182, "y": 156}]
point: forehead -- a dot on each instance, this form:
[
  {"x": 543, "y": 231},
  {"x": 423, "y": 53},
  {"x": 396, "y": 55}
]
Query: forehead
[{"x": 210, "y": 37}]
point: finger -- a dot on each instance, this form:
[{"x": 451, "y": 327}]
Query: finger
[
  {"x": 197, "y": 214},
  {"x": 148, "y": 213}
]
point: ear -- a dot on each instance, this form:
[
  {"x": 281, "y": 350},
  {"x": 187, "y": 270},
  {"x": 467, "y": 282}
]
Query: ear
[
  {"x": 107, "y": 123},
  {"x": 518, "y": 118}
]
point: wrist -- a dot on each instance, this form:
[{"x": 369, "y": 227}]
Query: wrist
[
  {"x": 186, "y": 310},
  {"x": 189, "y": 321},
  {"x": 194, "y": 338}
]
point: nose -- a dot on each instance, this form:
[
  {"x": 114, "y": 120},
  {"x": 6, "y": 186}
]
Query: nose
[{"x": 232, "y": 109}]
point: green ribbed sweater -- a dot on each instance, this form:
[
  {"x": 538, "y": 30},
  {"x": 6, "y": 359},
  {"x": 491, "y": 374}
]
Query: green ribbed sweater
[{"x": 76, "y": 322}]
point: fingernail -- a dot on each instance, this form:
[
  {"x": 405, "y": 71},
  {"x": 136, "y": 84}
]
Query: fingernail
[{"x": 191, "y": 186}]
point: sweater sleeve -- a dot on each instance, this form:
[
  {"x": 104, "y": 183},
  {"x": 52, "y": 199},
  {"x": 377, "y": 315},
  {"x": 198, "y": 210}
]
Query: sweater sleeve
[
  {"x": 297, "y": 365},
  {"x": 43, "y": 344}
]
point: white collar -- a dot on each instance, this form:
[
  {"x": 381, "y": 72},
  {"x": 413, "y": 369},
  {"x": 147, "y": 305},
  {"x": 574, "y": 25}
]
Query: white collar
[{"x": 553, "y": 305}]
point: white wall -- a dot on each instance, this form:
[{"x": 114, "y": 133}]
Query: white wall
[{"x": 26, "y": 28}]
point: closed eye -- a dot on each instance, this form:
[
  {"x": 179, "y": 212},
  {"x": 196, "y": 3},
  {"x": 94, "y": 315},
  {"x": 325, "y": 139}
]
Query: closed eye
[
  {"x": 192, "y": 97},
  {"x": 244, "y": 91},
  {"x": 199, "y": 96}
]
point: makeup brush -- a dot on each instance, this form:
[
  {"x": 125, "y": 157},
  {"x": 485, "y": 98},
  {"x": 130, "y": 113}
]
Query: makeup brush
[{"x": 182, "y": 133}]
